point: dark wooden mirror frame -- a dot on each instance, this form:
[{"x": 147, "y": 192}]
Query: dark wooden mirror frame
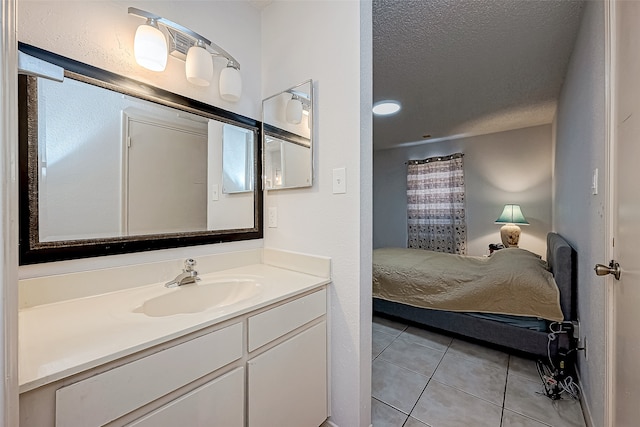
[{"x": 32, "y": 251}]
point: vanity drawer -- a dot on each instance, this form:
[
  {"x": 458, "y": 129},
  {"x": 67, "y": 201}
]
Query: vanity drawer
[
  {"x": 217, "y": 403},
  {"x": 107, "y": 396},
  {"x": 269, "y": 325}
]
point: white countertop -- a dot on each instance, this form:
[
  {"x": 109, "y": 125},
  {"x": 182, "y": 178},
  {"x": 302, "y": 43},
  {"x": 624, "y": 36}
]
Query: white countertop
[{"x": 64, "y": 338}]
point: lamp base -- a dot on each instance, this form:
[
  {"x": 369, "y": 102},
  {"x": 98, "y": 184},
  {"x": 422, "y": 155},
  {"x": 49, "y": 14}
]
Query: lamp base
[{"x": 510, "y": 235}]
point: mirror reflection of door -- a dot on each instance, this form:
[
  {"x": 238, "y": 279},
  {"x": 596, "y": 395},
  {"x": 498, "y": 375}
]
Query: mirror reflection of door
[
  {"x": 172, "y": 157},
  {"x": 273, "y": 162}
]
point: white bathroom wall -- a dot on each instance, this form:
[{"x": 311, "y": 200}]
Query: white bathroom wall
[
  {"x": 500, "y": 168},
  {"x": 322, "y": 40},
  {"x": 100, "y": 33}
]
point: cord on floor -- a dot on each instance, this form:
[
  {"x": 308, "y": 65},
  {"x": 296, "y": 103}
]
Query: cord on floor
[{"x": 556, "y": 380}]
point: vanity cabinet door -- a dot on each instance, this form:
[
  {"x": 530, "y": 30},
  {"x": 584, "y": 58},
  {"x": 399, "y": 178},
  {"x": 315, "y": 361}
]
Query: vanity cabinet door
[
  {"x": 219, "y": 402},
  {"x": 287, "y": 385}
]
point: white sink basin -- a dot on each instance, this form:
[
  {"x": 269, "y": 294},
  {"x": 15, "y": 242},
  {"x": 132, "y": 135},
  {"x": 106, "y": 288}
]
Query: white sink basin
[{"x": 200, "y": 296}]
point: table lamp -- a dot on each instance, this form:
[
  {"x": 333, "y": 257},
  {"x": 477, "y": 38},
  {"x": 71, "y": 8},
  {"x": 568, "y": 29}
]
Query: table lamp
[{"x": 510, "y": 232}]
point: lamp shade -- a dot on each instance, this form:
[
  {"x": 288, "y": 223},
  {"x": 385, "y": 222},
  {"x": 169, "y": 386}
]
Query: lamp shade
[
  {"x": 294, "y": 111},
  {"x": 199, "y": 66},
  {"x": 511, "y": 214},
  {"x": 150, "y": 47},
  {"x": 230, "y": 84}
]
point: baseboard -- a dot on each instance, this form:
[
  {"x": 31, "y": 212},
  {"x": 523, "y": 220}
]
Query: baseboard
[
  {"x": 586, "y": 410},
  {"x": 330, "y": 424}
]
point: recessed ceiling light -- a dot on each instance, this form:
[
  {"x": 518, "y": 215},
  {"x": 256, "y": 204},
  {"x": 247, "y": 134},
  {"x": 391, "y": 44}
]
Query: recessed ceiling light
[{"x": 385, "y": 108}]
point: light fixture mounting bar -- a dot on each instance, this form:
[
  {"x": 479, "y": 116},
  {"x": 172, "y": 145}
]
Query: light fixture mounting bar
[
  {"x": 304, "y": 98},
  {"x": 299, "y": 94},
  {"x": 210, "y": 46}
]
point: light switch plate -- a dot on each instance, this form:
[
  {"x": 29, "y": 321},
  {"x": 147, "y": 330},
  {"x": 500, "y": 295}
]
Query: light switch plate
[
  {"x": 339, "y": 181},
  {"x": 594, "y": 182},
  {"x": 215, "y": 192}
]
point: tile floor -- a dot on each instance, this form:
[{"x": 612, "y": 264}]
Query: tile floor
[{"x": 421, "y": 378}]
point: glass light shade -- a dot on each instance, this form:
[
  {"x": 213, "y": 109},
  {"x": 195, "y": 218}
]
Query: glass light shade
[
  {"x": 294, "y": 111},
  {"x": 230, "y": 84},
  {"x": 511, "y": 214},
  {"x": 150, "y": 48},
  {"x": 199, "y": 66}
]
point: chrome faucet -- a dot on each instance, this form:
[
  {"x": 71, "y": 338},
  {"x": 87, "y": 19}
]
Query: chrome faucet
[{"x": 188, "y": 275}]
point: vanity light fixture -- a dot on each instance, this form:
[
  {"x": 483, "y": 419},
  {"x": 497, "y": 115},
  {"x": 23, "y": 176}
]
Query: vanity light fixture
[
  {"x": 386, "y": 108},
  {"x": 230, "y": 82},
  {"x": 298, "y": 105},
  {"x": 151, "y": 48},
  {"x": 198, "y": 65},
  {"x": 294, "y": 110}
]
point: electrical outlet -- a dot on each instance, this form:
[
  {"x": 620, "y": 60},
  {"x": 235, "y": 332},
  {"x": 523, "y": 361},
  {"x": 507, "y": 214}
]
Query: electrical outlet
[
  {"x": 576, "y": 329},
  {"x": 273, "y": 217},
  {"x": 215, "y": 192}
]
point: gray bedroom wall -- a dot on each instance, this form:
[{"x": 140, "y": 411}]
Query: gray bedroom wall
[
  {"x": 507, "y": 167},
  {"x": 578, "y": 214}
]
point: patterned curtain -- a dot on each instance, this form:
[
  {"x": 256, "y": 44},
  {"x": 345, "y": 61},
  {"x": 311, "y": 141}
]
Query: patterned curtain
[{"x": 435, "y": 204}]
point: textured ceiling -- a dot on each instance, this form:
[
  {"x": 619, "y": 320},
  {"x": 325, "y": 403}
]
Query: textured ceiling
[{"x": 469, "y": 67}]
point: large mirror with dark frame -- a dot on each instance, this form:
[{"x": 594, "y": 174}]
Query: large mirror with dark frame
[
  {"x": 109, "y": 165},
  {"x": 287, "y": 120}
]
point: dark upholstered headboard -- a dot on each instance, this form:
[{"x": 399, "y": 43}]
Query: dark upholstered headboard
[{"x": 562, "y": 262}]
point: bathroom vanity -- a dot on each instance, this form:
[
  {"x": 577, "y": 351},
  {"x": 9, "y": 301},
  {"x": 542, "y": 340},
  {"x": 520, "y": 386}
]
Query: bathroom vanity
[
  {"x": 246, "y": 345},
  {"x": 145, "y": 356}
]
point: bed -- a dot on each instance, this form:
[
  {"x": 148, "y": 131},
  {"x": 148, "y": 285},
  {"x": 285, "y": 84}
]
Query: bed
[{"x": 480, "y": 323}]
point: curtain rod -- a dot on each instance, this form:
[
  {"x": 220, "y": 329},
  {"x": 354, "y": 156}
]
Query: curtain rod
[{"x": 435, "y": 159}]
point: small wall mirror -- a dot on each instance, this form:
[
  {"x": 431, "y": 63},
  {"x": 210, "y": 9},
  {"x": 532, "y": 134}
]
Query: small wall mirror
[{"x": 287, "y": 143}]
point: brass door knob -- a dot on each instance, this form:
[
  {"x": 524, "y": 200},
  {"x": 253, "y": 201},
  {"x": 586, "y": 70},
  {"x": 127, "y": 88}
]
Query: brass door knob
[{"x": 612, "y": 268}]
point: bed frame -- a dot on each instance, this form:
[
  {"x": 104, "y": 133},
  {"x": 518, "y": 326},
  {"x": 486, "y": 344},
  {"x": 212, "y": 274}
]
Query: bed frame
[{"x": 562, "y": 261}]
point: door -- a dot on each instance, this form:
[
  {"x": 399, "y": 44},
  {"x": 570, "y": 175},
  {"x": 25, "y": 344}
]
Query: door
[
  {"x": 624, "y": 347},
  {"x": 168, "y": 157}
]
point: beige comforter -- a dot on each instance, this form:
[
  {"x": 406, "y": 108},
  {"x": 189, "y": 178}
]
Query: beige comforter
[{"x": 512, "y": 281}]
